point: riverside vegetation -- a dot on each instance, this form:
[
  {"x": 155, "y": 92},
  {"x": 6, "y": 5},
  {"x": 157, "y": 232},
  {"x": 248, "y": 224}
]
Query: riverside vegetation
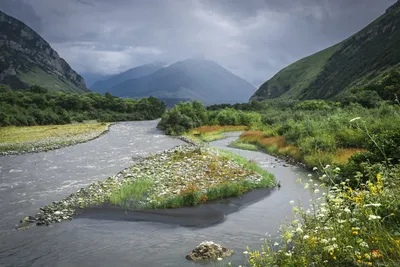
[
  {"x": 38, "y": 106},
  {"x": 354, "y": 147}
]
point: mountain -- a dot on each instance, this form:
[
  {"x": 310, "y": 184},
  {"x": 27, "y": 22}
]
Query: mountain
[
  {"x": 27, "y": 59},
  {"x": 358, "y": 61},
  {"x": 139, "y": 71},
  {"x": 91, "y": 78},
  {"x": 203, "y": 80}
]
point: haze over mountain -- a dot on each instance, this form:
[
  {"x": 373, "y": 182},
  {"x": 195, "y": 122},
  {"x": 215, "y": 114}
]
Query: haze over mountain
[
  {"x": 362, "y": 59},
  {"x": 252, "y": 39},
  {"x": 27, "y": 59},
  {"x": 103, "y": 86},
  {"x": 199, "y": 79}
]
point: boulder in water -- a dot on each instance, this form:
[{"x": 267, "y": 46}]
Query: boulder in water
[{"x": 208, "y": 250}]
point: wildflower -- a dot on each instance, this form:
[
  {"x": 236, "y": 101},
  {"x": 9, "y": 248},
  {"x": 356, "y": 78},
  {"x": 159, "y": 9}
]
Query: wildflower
[
  {"x": 316, "y": 191},
  {"x": 337, "y": 169},
  {"x": 333, "y": 239},
  {"x": 315, "y": 169},
  {"x": 295, "y": 210},
  {"x": 289, "y": 254},
  {"x": 276, "y": 244},
  {"x": 354, "y": 119},
  {"x": 306, "y": 185},
  {"x": 376, "y": 253},
  {"x": 219, "y": 259},
  {"x": 347, "y": 210},
  {"x": 299, "y": 230},
  {"x": 373, "y": 217},
  {"x": 372, "y": 205},
  {"x": 245, "y": 252},
  {"x": 306, "y": 237},
  {"x": 323, "y": 176},
  {"x": 298, "y": 180},
  {"x": 324, "y": 241},
  {"x": 295, "y": 222},
  {"x": 309, "y": 175},
  {"x": 364, "y": 244},
  {"x": 291, "y": 202},
  {"x": 327, "y": 166}
]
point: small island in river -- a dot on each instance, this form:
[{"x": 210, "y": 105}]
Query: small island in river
[{"x": 186, "y": 175}]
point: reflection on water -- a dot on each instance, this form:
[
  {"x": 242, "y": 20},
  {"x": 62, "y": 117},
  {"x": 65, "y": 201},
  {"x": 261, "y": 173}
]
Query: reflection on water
[{"x": 33, "y": 180}]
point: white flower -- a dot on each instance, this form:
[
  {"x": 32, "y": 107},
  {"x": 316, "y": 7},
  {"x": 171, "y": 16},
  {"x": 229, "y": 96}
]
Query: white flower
[
  {"x": 306, "y": 237},
  {"x": 309, "y": 175},
  {"x": 354, "y": 119},
  {"x": 276, "y": 244},
  {"x": 295, "y": 210},
  {"x": 315, "y": 169},
  {"x": 291, "y": 202},
  {"x": 327, "y": 166},
  {"x": 316, "y": 191},
  {"x": 306, "y": 185},
  {"x": 245, "y": 252},
  {"x": 372, "y": 205},
  {"x": 324, "y": 241},
  {"x": 374, "y": 217},
  {"x": 347, "y": 210},
  {"x": 337, "y": 169},
  {"x": 333, "y": 239},
  {"x": 299, "y": 230},
  {"x": 219, "y": 259},
  {"x": 289, "y": 254}
]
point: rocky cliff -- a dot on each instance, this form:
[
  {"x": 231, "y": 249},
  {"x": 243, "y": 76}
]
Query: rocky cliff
[{"x": 27, "y": 59}]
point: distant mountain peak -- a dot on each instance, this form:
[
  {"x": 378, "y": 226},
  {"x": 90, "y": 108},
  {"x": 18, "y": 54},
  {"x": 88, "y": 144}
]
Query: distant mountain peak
[{"x": 200, "y": 79}]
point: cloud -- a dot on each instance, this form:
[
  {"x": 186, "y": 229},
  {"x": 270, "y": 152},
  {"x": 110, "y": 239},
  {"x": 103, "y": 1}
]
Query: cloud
[{"x": 254, "y": 38}]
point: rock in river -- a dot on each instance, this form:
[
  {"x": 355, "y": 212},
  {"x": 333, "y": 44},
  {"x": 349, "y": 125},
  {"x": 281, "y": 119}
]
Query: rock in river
[{"x": 207, "y": 250}]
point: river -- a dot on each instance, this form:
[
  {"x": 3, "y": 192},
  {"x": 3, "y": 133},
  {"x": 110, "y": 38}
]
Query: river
[{"x": 30, "y": 181}]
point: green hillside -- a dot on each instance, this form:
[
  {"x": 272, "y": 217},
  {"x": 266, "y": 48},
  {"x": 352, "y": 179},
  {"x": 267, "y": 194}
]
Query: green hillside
[
  {"x": 363, "y": 59},
  {"x": 26, "y": 59}
]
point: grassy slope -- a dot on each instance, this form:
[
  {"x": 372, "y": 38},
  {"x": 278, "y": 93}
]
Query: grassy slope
[
  {"x": 357, "y": 61},
  {"x": 292, "y": 80},
  {"x": 48, "y": 81}
]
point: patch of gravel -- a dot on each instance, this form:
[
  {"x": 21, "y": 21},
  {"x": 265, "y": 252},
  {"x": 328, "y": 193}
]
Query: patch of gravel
[{"x": 172, "y": 170}]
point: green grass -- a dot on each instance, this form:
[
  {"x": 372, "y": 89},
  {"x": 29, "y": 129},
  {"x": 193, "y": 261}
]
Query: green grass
[
  {"x": 243, "y": 145},
  {"x": 27, "y": 137},
  {"x": 268, "y": 178},
  {"x": 131, "y": 192},
  {"x": 292, "y": 80},
  {"x": 48, "y": 81}
]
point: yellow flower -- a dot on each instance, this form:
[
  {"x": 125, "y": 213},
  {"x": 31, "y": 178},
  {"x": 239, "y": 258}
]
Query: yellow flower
[{"x": 355, "y": 232}]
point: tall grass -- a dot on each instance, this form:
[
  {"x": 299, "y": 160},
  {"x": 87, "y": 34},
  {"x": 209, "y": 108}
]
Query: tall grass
[{"x": 131, "y": 193}]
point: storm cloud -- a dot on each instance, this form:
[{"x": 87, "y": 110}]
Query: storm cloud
[{"x": 252, "y": 38}]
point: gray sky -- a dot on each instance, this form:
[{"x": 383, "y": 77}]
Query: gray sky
[{"x": 252, "y": 38}]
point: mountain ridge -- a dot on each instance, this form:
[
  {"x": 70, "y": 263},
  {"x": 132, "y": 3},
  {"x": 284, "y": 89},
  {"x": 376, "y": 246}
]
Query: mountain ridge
[
  {"x": 203, "y": 80},
  {"x": 357, "y": 61},
  {"x": 27, "y": 59}
]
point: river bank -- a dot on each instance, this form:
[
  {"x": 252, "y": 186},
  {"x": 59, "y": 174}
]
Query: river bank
[{"x": 34, "y": 139}]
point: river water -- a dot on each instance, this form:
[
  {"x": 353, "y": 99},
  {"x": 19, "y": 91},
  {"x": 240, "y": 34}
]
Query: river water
[{"x": 30, "y": 181}]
